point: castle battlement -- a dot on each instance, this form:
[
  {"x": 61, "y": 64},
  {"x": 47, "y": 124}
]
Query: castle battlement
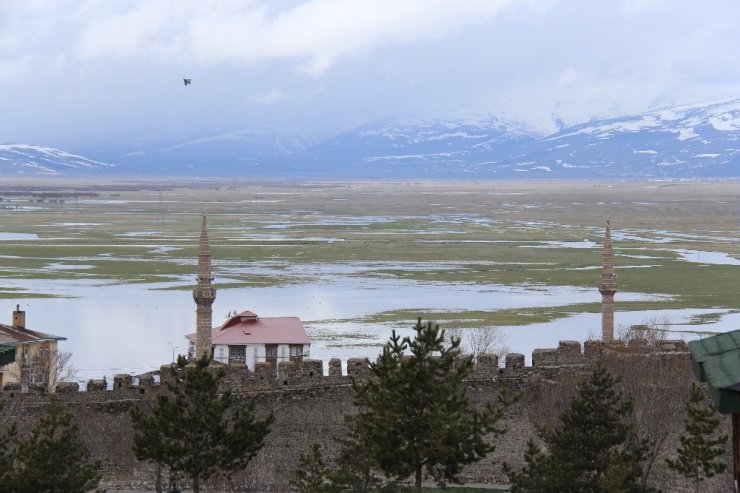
[
  {"x": 310, "y": 372},
  {"x": 310, "y": 400}
]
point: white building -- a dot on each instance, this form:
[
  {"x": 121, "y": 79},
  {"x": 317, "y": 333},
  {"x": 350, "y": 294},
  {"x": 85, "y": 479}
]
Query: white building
[{"x": 248, "y": 339}]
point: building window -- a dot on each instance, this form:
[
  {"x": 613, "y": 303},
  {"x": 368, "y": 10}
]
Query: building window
[
  {"x": 271, "y": 353},
  {"x": 35, "y": 369},
  {"x": 296, "y": 352},
  {"x": 237, "y": 354}
]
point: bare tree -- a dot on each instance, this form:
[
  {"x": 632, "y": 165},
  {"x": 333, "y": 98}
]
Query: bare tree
[
  {"x": 658, "y": 383},
  {"x": 47, "y": 367},
  {"x": 58, "y": 365},
  {"x": 652, "y": 330},
  {"x": 482, "y": 340}
]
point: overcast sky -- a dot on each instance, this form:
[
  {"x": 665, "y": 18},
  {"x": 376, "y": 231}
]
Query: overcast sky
[{"x": 81, "y": 74}]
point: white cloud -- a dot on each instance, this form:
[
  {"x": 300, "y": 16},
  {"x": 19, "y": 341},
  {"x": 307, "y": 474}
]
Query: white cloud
[
  {"x": 568, "y": 76},
  {"x": 344, "y": 62},
  {"x": 637, "y": 6},
  {"x": 270, "y": 97},
  {"x": 150, "y": 30},
  {"x": 315, "y": 34},
  {"x": 15, "y": 68}
]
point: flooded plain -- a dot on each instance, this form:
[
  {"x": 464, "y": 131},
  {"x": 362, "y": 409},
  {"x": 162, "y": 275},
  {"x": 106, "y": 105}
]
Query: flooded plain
[
  {"x": 113, "y": 273},
  {"x": 132, "y": 328}
]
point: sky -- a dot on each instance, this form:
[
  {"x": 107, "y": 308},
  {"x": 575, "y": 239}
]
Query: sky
[{"x": 93, "y": 74}]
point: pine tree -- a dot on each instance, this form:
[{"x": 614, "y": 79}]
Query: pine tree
[
  {"x": 592, "y": 450},
  {"x": 618, "y": 475},
  {"x": 194, "y": 429},
  {"x": 700, "y": 449},
  {"x": 354, "y": 469},
  {"x": 312, "y": 473},
  {"x": 537, "y": 476},
  {"x": 418, "y": 403},
  {"x": 53, "y": 459}
]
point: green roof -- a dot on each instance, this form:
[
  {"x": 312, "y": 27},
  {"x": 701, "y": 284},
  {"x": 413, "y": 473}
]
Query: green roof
[
  {"x": 716, "y": 360},
  {"x": 7, "y": 354}
]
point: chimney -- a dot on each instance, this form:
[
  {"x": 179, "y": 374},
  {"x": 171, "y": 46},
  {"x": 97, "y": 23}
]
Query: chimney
[{"x": 19, "y": 317}]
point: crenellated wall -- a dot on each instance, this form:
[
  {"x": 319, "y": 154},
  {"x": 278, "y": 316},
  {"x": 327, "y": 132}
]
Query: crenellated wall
[{"x": 309, "y": 407}]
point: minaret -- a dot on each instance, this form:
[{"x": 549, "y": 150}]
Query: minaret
[
  {"x": 607, "y": 287},
  {"x": 203, "y": 294}
]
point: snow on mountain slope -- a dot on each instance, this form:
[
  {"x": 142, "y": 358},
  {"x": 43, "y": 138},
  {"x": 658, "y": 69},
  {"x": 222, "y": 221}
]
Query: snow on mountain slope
[
  {"x": 699, "y": 140},
  {"x": 221, "y": 153},
  {"x": 23, "y": 159},
  {"x": 413, "y": 144},
  {"x": 686, "y": 122},
  {"x": 686, "y": 142},
  {"x": 693, "y": 141}
]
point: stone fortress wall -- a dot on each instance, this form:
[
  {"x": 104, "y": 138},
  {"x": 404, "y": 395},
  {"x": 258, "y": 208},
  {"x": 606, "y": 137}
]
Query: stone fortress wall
[{"x": 309, "y": 407}]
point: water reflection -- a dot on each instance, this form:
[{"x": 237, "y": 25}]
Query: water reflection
[
  {"x": 129, "y": 328},
  {"x": 704, "y": 257},
  {"x": 18, "y": 236}
]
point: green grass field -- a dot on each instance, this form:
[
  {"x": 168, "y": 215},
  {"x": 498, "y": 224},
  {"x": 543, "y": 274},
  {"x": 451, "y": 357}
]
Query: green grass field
[{"x": 478, "y": 233}]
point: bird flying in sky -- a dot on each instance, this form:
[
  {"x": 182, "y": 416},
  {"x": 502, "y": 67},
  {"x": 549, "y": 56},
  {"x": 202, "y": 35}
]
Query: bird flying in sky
[{"x": 187, "y": 81}]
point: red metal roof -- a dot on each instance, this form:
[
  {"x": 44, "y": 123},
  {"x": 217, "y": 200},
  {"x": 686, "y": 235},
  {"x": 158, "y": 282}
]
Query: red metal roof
[
  {"x": 247, "y": 328},
  {"x": 245, "y": 316}
]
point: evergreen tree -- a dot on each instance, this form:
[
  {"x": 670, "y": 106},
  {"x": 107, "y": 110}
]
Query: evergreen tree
[
  {"x": 592, "y": 450},
  {"x": 700, "y": 449},
  {"x": 355, "y": 470},
  {"x": 53, "y": 459},
  {"x": 194, "y": 429},
  {"x": 538, "y": 474},
  {"x": 618, "y": 475},
  {"x": 312, "y": 473},
  {"x": 415, "y": 416}
]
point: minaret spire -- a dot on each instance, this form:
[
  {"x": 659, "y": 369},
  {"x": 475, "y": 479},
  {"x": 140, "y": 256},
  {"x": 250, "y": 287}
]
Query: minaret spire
[
  {"x": 204, "y": 294},
  {"x": 607, "y": 287}
]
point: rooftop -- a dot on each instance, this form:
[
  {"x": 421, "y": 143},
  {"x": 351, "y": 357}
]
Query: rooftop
[
  {"x": 12, "y": 335},
  {"x": 247, "y": 328},
  {"x": 716, "y": 360}
]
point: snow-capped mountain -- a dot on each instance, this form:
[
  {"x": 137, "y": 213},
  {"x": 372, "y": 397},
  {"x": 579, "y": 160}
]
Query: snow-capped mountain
[
  {"x": 700, "y": 140},
  {"x": 413, "y": 145},
  {"x": 23, "y": 159},
  {"x": 693, "y": 141},
  {"x": 242, "y": 151}
]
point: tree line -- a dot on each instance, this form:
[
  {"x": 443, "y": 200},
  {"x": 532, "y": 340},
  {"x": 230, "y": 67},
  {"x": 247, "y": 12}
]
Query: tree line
[{"x": 414, "y": 422}]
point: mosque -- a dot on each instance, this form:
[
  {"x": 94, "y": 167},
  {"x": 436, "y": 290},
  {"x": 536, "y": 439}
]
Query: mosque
[{"x": 244, "y": 338}]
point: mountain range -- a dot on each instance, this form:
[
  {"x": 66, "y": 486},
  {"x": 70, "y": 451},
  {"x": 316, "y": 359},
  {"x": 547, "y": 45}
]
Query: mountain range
[{"x": 698, "y": 141}]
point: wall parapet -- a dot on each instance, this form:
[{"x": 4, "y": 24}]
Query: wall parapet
[
  {"x": 310, "y": 402},
  {"x": 310, "y": 372}
]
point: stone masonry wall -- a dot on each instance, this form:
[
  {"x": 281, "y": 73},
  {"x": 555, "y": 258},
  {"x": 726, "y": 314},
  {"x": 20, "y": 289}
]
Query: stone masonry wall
[{"x": 309, "y": 407}]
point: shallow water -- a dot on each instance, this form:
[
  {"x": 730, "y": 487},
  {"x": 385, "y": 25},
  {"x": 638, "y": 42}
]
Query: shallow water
[
  {"x": 703, "y": 257},
  {"x": 18, "y": 236},
  {"x": 132, "y": 328}
]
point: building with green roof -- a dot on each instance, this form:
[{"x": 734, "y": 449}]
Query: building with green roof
[{"x": 716, "y": 361}]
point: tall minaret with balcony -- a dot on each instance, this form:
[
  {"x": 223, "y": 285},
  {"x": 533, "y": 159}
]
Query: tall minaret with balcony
[
  {"x": 204, "y": 294},
  {"x": 607, "y": 287}
]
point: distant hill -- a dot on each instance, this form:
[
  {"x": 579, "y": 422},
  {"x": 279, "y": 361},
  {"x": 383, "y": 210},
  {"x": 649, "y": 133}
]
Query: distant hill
[
  {"x": 687, "y": 142},
  {"x": 22, "y": 159},
  {"x": 695, "y": 141},
  {"x": 410, "y": 146},
  {"x": 248, "y": 151}
]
